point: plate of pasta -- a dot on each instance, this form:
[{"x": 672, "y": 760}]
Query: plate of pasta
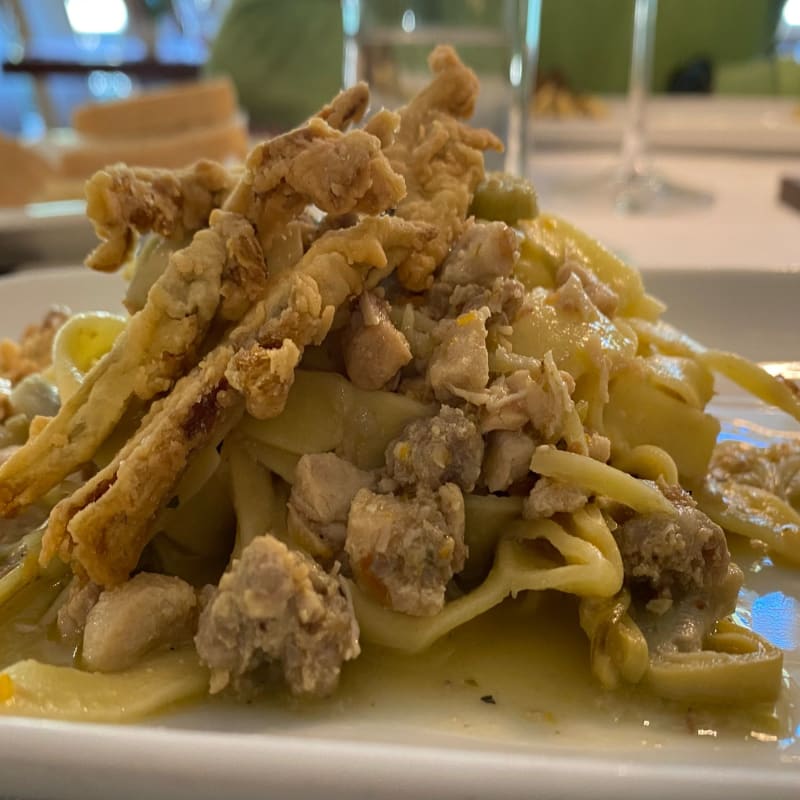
[{"x": 351, "y": 472}]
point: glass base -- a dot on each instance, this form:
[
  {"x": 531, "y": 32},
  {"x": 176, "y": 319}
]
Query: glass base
[
  {"x": 649, "y": 192},
  {"x": 634, "y": 193}
]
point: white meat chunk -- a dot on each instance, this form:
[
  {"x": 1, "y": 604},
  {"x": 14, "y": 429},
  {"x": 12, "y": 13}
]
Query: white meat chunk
[
  {"x": 485, "y": 251},
  {"x": 599, "y": 447},
  {"x": 404, "y": 550},
  {"x": 131, "y": 620},
  {"x": 508, "y": 458},
  {"x": 446, "y": 448},
  {"x": 504, "y": 297},
  {"x": 673, "y": 554},
  {"x": 541, "y": 396},
  {"x": 602, "y": 296},
  {"x": 81, "y": 598},
  {"x": 324, "y": 486},
  {"x": 460, "y": 362},
  {"x": 374, "y": 349},
  {"x": 277, "y": 610},
  {"x": 550, "y": 496}
]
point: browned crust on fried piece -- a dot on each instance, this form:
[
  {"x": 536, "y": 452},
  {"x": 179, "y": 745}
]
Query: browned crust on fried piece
[
  {"x": 441, "y": 160},
  {"x": 104, "y": 526},
  {"x": 160, "y": 342},
  {"x": 126, "y": 494},
  {"x": 122, "y": 200},
  {"x": 315, "y": 164},
  {"x": 347, "y": 108}
]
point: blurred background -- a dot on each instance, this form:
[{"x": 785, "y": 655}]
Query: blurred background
[
  {"x": 286, "y": 58},
  {"x": 723, "y": 119}
]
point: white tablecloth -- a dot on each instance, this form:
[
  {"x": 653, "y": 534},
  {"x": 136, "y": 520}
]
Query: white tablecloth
[{"x": 745, "y": 227}]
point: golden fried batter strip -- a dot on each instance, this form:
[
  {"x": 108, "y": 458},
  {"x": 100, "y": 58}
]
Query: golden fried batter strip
[
  {"x": 161, "y": 339},
  {"x": 122, "y": 200},
  {"x": 124, "y": 494},
  {"x": 244, "y": 275},
  {"x": 104, "y": 525},
  {"x": 347, "y": 108},
  {"x": 159, "y": 343},
  {"x": 315, "y": 164},
  {"x": 441, "y": 160}
]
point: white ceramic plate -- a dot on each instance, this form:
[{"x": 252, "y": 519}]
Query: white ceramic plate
[
  {"x": 747, "y": 124},
  {"x": 550, "y": 733}
]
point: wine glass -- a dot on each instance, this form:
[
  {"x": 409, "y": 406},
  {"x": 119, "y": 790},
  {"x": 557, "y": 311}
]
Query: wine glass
[
  {"x": 632, "y": 186},
  {"x": 636, "y": 187}
]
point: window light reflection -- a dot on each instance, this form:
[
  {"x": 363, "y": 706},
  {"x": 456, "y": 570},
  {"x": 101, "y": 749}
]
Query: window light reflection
[
  {"x": 775, "y": 617},
  {"x": 97, "y": 16}
]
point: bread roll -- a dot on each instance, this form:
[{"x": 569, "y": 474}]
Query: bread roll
[
  {"x": 159, "y": 111},
  {"x": 220, "y": 142},
  {"x": 23, "y": 172}
]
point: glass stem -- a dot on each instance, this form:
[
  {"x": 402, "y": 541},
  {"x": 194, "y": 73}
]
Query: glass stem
[{"x": 634, "y": 140}]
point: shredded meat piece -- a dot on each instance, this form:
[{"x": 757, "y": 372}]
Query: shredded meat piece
[
  {"x": 441, "y": 160},
  {"x": 374, "y": 350},
  {"x": 599, "y": 447},
  {"x": 484, "y": 252},
  {"x": 571, "y": 299},
  {"x": 460, "y": 362},
  {"x": 508, "y": 458},
  {"x": 71, "y": 618},
  {"x": 324, "y": 486},
  {"x": 673, "y": 554},
  {"x": 122, "y": 200},
  {"x": 337, "y": 172},
  {"x": 604, "y": 298},
  {"x": 148, "y": 612},
  {"x": 541, "y": 396},
  {"x": 446, "y": 448},
  {"x": 550, "y": 496},
  {"x": 775, "y": 469},
  {"x": 278, "y": 608},
  {"x": 403, "y": 551},
  {"x": 264, "y": 376},
  {"x": 33, "y": 353},
  {"x": 504, "y": 298}
]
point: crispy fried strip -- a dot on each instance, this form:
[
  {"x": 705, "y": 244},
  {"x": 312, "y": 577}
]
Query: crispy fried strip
[
  {"x": 244, "y": 275},
  {"x": 337, "y": 172},
  {"x": 162, "y": 338},
  {"x": 125, "y": 493},
  {"x": 441, "y": 160},
  {"x": 159, "y": 342},
  {"x": 123, "y": 201},
  {"x": 104, "y": 526},
  {"x": 347, "y": 108},
  {"x": 174, "y": 203}
]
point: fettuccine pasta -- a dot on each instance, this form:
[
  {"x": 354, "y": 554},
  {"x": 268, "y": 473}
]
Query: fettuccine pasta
[{"x": 365, "y": 395}]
